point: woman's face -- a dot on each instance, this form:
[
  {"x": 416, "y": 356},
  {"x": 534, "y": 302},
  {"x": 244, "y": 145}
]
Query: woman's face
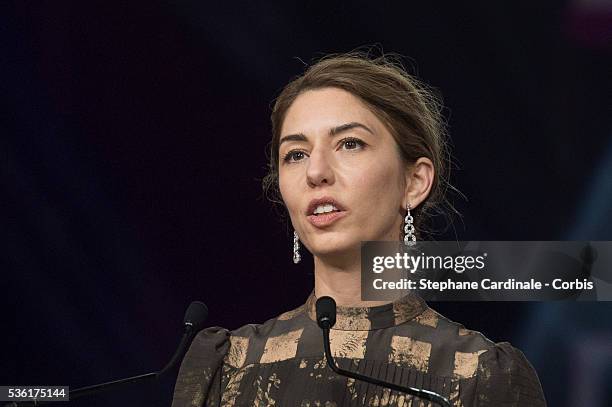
[{"x": 333, "y": 148}]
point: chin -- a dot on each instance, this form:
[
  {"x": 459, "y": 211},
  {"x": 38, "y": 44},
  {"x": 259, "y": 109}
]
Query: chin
[{"x": 321, "y": 249}]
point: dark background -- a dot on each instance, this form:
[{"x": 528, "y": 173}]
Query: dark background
[{"x": 132, "y": 144}]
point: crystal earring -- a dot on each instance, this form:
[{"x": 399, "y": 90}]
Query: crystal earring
[
  {"x": 296, "y": 248},
  {"x": 409, "y": 237}
]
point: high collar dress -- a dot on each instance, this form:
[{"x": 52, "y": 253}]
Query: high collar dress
[{"x": 282, "y": 363}]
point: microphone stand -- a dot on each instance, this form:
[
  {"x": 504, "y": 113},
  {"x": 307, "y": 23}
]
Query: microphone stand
[
  {"x": 84, "y": 391},
  {"x": 98, "y": 388}
]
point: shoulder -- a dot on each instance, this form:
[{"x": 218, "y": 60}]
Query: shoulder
[
  {"x": 492, "y": 357},
  {"x": 452, "y": 335},
  {"x": 206, "y": 351},
  {"x": 208, "y": 347},
  {"x": 444, "y": 333},
  {"x": 505, "y": 375},
  {"x": 200, "y": 366},
  {"x": 247, "y": 342},
  {"x": 462, "y": 334},
  {"x": 499, "y": 372}
]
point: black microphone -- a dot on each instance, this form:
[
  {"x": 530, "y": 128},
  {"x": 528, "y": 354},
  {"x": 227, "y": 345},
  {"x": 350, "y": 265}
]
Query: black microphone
[
  {"x": 193, "y": 322},
  {"x": 326, "y": 318}
]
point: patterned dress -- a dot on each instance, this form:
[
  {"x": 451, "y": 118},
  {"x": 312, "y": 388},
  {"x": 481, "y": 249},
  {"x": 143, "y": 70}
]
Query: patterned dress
[{"x": 281, "y": 362}]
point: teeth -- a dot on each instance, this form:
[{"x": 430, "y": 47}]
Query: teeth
[{"x": 325, "y": 209}]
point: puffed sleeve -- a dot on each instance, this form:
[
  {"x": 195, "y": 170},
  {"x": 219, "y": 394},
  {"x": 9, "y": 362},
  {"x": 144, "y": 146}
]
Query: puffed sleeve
[
  {"x": 506, "y": 378},
  {"x": 199, "y": 378}
]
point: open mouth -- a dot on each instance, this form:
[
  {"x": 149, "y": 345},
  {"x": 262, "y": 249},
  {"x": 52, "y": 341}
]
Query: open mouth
[{"x": 324, "y": 211}]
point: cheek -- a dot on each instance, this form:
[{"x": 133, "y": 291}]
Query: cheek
[
  {"x": 378, "y": 181},
  {"x": 378, "y": 195},
  {"x": 288, "y": 193}
]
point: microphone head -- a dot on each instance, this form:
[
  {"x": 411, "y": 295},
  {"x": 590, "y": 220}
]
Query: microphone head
[
  {"x": 196, "y": 315},
  {"x": 326, "y": 312}
]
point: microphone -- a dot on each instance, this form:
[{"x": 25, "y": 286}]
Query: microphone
[
  {"x": 326, "y": 318},
  {"x": 193, "y": 322}
]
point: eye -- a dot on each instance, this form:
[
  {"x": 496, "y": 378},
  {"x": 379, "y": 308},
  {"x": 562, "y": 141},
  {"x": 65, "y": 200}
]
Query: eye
[
  {"x": 293, "y": 156},
  {"x": 351, "y": 143}
]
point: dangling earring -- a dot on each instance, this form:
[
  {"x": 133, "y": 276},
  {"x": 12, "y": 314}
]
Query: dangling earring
[
  {"x": 296, "y": 248},
  {"x": 409, "y": 237}
]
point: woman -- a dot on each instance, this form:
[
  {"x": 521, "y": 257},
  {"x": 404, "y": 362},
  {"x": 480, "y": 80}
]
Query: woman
[{"x": 357, "y": 152}]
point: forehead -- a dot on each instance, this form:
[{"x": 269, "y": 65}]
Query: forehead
[{"x": 318, "y": 110}]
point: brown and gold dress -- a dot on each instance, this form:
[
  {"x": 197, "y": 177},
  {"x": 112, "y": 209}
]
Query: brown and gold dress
[{"x": 281, "y": 362}]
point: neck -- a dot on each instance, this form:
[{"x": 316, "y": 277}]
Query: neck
[{"x": 340, "y": 278}]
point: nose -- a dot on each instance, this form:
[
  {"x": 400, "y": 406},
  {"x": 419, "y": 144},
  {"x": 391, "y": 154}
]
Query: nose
[{"x": 319, "y": 171}]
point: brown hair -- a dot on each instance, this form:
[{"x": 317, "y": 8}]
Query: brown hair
[{"x": 411, "y": 111}]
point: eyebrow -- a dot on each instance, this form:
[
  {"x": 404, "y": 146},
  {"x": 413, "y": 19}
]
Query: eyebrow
[{"x": 332, "y": 132}]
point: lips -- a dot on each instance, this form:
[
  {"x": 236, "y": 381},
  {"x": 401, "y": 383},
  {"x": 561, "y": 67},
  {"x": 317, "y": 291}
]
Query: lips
[
  {"x": 322, "y": 201},
  {"x": 325, "y": 219}
]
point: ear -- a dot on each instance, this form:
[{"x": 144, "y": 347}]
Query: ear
[{"x": 419, "y": 180}]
